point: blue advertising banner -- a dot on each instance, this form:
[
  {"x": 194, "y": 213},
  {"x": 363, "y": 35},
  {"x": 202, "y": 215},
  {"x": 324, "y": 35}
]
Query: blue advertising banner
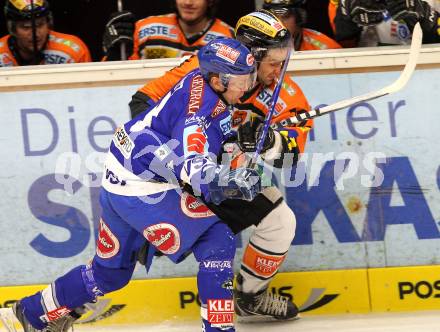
[{"x": 365, "y": 194}]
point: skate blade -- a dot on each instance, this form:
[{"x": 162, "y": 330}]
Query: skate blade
[
  {"x": 8, "y": 320},
  {"x": 250, "y": 319}
]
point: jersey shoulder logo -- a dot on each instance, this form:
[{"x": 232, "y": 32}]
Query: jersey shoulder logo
[{"x": 123, "y": 142}]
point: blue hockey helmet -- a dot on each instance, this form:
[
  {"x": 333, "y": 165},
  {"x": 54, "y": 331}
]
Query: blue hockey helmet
[{"x": 228, "y": 58}]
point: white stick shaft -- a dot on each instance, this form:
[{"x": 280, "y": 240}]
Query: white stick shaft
[{"x": 397, "y": 85}]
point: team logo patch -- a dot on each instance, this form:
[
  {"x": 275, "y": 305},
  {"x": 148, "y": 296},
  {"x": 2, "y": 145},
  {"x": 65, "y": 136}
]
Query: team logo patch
[
  {"x": 221, "y": 313},
  {"x": 107, "y": 245},
  {"x": 165, "y": 237},
  {"x": 55, "y": 314},
  {"x": 289, "y": 89},
  {"x": 219, "y": 109},
  {"x": 123, "y": 142},
  {"x": 403, "y": 32},
  {"x": 227, "y": 53},
  {"x": 250, "y": 59},
  {"x": 238, "y": 118},
  {"x": 193, "y": 207},
  {"x": 226, "y": 125},
  {"x": 5, "y": 60},
  {"x": 194, "y": 140}
]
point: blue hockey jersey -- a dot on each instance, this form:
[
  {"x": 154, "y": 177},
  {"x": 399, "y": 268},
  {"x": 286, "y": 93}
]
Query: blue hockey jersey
[{"x": 175, "y": 141}]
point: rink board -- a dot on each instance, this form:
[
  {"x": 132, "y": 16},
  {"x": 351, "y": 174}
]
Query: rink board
[
  {"x": 320, "y": 292},
  {"x": 405, "y": 288}
]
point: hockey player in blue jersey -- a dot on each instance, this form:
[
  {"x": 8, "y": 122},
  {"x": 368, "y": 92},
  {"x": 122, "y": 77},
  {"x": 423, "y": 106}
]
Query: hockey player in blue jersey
[{"x": 170, "y": 146}]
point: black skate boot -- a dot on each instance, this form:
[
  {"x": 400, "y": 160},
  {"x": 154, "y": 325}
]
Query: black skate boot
[
  {"x": 263, "y": 306},
  {"x": 65, "y": 323},
  {"x": 62, "y": 324},
  {"x": 18, "y": 312}
]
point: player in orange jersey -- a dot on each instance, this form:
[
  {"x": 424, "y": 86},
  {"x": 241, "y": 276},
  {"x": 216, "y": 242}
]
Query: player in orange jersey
[
  {"x": 275, "y": 222},
  {"x": 177, "y": 34},
  {"x": 293, "y": 16},
  {"x": 31, "y": 40}
]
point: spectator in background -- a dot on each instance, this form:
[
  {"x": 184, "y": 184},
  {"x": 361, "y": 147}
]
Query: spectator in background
[
  {"x": 294, "y": 16},
  {"x": 177, "y": 34},
  {"x": 31, "y": 40},
  {"x": 384, "y": 22}
]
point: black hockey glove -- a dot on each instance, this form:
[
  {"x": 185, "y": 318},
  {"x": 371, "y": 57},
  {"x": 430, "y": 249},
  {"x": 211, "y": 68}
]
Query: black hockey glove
[
  {"x": 249, "y": 134},
  {"x": 119, "y": 29},
  {"x": 363, "y": 12},
  {"x": 413, "y": 11}
]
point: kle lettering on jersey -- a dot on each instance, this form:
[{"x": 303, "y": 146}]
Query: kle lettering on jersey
[
  {"x": 220, "y": 313},
  {"x": 158, "y": 30}
]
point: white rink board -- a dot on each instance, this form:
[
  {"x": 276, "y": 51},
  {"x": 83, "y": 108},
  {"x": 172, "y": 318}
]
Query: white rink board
[{"x": 49, "y": 231}]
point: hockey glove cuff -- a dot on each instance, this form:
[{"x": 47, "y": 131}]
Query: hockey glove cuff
[
  {"x": 249, "y": 134},
  {"x": 240, "y": 183}
]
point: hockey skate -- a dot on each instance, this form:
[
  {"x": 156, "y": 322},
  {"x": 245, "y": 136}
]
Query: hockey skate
[
  {"x": 62, "y": 324},
  {"x": 263, "y": 306}
]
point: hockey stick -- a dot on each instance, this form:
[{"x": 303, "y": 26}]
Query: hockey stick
[
  {"x": 394, "y": 87},
  {"x": 271, "y": 112},
  {"x": 123, "y": 48}
]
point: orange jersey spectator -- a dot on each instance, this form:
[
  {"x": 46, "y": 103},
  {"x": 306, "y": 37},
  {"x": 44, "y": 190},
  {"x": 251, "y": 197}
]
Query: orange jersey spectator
[
  {"x": 162, "y": 37},
  {"x": 31, "y": 40},
  {"x": 314, "y": 40},
  {"x": 293, "y": 16},
  {"x": 191, "y": 26},
  {"x": 332, "y": 6},
  {"x": 60, "y": 48}
]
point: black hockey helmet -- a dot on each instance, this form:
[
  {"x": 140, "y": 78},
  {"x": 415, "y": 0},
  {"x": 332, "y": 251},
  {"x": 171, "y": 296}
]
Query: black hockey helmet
[
  {"x": 22, "y": 10},
  {"x": 283, "y": 8},
  {"x": 260, "y": 31}
]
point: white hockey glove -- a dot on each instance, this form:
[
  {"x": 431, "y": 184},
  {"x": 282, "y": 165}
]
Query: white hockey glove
[{"x": 240, "y": 183}]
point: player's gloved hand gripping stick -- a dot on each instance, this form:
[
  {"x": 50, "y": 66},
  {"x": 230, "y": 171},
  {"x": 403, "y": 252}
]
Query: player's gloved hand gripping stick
[{"x": 271, "y": 112}]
